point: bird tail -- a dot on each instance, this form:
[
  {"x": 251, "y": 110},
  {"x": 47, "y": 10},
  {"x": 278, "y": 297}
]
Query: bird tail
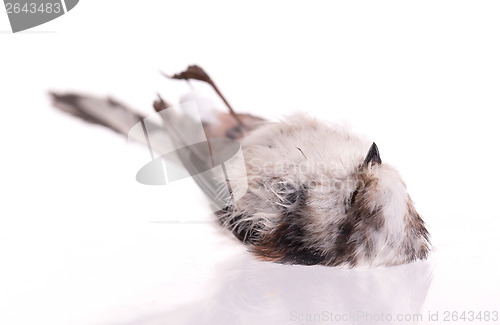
[
  {"x": 217, "y": 165},
  {"x": 179, "y": 139},
  {"x": 103, "y": 111},
  {"x": 109, "y": 113}
]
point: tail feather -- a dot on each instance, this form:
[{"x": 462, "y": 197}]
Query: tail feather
[
  {"x": 103, "y": 111},
  {"x": 177, "y": 128}
]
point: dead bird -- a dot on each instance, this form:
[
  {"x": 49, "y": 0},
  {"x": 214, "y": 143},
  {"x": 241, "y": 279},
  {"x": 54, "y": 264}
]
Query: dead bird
[{"x": 315, "y": 192}]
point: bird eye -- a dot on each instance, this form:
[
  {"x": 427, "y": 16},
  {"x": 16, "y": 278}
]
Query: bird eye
[{"x": 353, "y": 198}]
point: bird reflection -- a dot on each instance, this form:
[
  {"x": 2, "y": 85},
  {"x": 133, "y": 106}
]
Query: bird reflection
[{"x": 247, "y": 291}]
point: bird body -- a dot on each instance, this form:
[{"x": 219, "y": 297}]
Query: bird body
[{"x": 312, "y": 199}]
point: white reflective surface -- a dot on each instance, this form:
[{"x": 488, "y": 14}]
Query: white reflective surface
[{"x": 83, "y": 243}]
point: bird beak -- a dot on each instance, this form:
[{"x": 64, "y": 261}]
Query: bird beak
[{"x": 373, "y": 156}]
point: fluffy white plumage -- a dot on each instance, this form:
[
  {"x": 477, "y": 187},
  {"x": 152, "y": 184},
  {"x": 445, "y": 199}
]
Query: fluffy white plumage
[{"x": 321, "y": 161}]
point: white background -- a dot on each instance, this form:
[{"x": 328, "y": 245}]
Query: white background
[{"x": 78, "y": 241}]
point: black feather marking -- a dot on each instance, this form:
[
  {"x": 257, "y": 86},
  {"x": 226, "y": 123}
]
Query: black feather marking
[{"x": 286, "y": 243}]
